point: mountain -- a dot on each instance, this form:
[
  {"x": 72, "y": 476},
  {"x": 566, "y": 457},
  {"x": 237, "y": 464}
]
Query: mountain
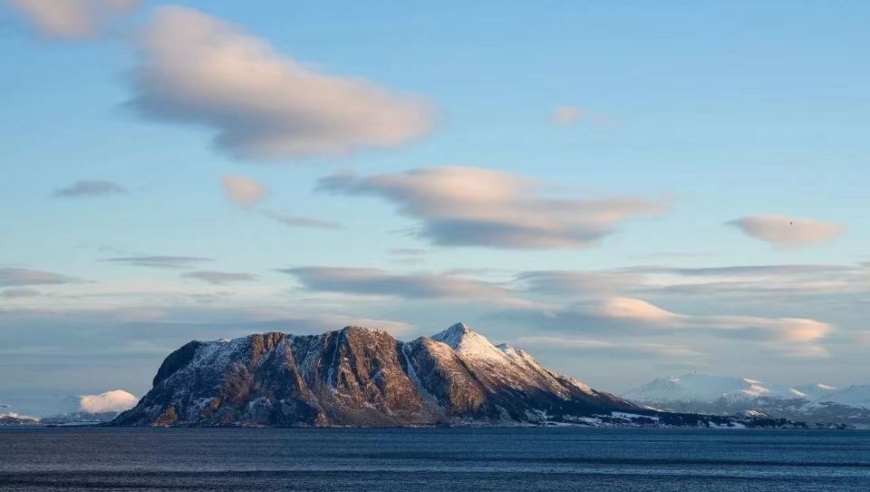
[
  {"x": 725, "y": 395},
  {"x": 92, "y": 408},
  {"x": 706, "y": 388},
  {"x": 853, "y": 396},
  {"x": 360, "y": 377},
  {"x": 815, "y": 391}
]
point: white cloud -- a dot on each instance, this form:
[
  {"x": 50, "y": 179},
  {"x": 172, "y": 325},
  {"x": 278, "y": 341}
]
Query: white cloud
[
  {"x": 635, "y": 309},
  {"x": 73, "y": 18},
  {"x": 110, "y": 401},
  {"x": 787, "y": 330},
  {"x": 466, "y": 206},
  {"x": 199, "y": 69},
  {"x": 787, "y": 231},
  {"x": 243, "y": 191}
]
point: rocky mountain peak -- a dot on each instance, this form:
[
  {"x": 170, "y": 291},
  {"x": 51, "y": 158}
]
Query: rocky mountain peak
[
  {"x": 360, "y": 377},
  {"x": 454, "y": 335},
  {"x": 468, "y": 343}
]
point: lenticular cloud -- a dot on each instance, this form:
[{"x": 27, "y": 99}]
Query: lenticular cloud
[{"x": 197, "y": 69}]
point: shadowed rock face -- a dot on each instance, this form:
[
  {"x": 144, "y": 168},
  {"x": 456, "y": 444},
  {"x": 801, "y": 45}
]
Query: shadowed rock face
[{"x": 360, "y": 377}]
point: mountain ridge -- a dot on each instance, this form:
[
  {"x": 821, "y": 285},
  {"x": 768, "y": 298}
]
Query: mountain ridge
[
  {"x": 359, "y": 377},
  {"x": 726, "y": 395}
]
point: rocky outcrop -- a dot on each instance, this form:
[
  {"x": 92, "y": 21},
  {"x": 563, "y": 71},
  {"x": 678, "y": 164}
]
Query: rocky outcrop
[{"x": 361, "y": 377}]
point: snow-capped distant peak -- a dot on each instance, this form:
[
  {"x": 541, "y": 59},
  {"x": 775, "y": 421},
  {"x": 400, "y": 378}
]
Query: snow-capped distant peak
[
  {"x": 710, "y": 388},
  {"x": 853, "y": 396},
  {"x": 706, "y": 387},
  {"x": 110, "y": 401}
]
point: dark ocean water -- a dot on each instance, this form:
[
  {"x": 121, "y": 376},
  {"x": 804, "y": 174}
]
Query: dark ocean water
[{"x": 426, "y": 459}]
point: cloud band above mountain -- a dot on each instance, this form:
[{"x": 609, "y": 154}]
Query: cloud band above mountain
[{"x": 467, "y": 206}]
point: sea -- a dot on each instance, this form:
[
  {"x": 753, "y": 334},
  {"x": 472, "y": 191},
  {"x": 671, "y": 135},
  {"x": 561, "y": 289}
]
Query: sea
[{"x": 524, "y": 459}]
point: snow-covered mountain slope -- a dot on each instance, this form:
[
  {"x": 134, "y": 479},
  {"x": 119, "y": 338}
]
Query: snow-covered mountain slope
[
  {"x": 361, "y": 377},
  {"x": 505, "y": 366},
  {"x": 853, "y": 396},
  {"x": 12, "y": 418},
  {"x": 708, "y": 388},
  {"x": 725, "y": 395},
  {"x": 815, "y": 391}
]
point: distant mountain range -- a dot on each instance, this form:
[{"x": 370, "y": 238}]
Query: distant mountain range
[
  {"x": 366, "y": 378},
  {"x": 724, "y": 395}
]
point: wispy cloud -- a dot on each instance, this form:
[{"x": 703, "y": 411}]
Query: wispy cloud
[
  {"x": 574, "y": 283},
  {"x": 751, "y": 282},
  {"x": 247, "y": 192},
  {"x": 408, "y": 256},
  {"x": 300, "y": 221},
  {"x": 198, "y": 69},
  {"x": 219, "y": 278},
  {"x": 742, "y": 270},
  {"x": 775, "y": 329},
  {"x": 370, "y": 281},
  {"x": 243, "y": 191},
  {"x": 21, "y": 277},
  {"x": 19, "y": 293},
  {"x": 407, "y": 251},
  {"x": 465, "y": 206},
  {"x": 575, "y": 344},
  {"x": 620, "y": 316},
  {"x": 72, "y": 19},
  {"x": 787, "y": 231},
  {"x": 90, "y": 188},
  {"x": 161, "y": 261}
]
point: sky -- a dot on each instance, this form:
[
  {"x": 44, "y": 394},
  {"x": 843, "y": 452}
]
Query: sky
[{"x": 625, "y": 190}]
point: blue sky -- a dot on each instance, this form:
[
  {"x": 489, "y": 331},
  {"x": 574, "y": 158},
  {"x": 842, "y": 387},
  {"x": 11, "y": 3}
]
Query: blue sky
[{"x": 415, "y": 152}]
